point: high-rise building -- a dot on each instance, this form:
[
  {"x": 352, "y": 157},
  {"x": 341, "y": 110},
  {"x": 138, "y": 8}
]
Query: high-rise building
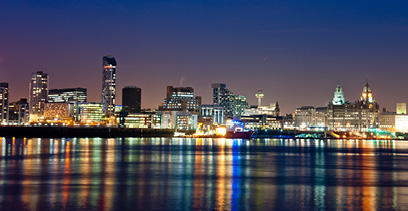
[
  {"x": 131, "y": 99},
  {"x": 38, "y": 94},
  {"x": 401, "y": 108},
  {"x": 109, "y": 85},
  {"x": 181, "y": 99},
  {"x": 70, "y": 95},
  {"x": 4, "y": 103},
  {"x": 233, "y": 104}
]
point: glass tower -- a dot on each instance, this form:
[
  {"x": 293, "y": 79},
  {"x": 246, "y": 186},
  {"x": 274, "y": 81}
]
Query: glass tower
[{"x": 109, "y": 85}]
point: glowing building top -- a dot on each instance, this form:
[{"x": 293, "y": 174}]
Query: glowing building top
[
  {"x": 367, "y": 94},
  {"x": 338, "y": 98},
  {"x": 259, "y": 95}
]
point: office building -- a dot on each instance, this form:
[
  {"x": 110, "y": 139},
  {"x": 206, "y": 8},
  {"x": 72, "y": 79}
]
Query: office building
[
  {"x": 4, "y": 103},
  {"x": 233, "y": 105},
  {"x": 212, "y": 112},
  {"x": 57, "y": 111},
  {"x": 310, "y": 118},
  {"x": 131, "y": 99},
  {"x": 358, "y": 116},
  {"x": 18, "y": 112},
  {"x": 70, "y": 95},
  {"x": 38, "y": 94},
  {"x": 91, "y": 113},
  {"x": 262, "y": 122},
  {"x": 180, "y": 99},
  {"x": 109, "y": 85},
  {"x": 401, "y": 108}
]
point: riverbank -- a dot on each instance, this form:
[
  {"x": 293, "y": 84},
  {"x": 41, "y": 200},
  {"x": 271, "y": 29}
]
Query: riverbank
[{"x": 79, "y": 132}]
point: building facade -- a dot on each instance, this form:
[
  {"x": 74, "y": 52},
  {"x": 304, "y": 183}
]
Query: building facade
[
  {"x": 358, "y": 116},
  {"x": 4, "y": 103},
  {"x": 19, "y": 112},
  {"x": 109, "y": 85},
  {"x": 132, "y": 99},
  {"x": 234, "y": 105},
  {"x": 310, "y": 118},
  {"x": 38, "y": 94},
  {"x": 70, "y": 95},
  {"x": 181, "y": 99},
  {"x": 91, "y": 113},
  {"x": 57, "y": 111},
  {"x": 215, "y": 113},
  {"x": 401, "y": 108}
]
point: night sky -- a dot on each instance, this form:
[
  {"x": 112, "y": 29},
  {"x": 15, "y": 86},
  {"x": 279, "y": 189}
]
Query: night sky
[{"x": 296, "y": 51}]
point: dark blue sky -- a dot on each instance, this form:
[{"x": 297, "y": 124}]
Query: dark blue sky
[{"x": 296, "y": 51}]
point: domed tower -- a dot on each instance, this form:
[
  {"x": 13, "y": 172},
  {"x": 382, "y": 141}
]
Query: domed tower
[
  {"x": 338, "y": 98},
  {"x": 367, "y": 95}
]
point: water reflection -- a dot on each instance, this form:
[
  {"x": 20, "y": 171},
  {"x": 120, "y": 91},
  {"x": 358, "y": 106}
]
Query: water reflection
[{"x": 221, "y": 174}]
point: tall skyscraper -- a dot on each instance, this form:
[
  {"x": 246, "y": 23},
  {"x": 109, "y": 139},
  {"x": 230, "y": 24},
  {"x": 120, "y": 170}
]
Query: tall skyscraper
[
  {"x": 4, "y": 103},
  {"x": 131, "y": 99},
  {"x": 38, "y": 93},
  {"x": 109, "y": 85}
]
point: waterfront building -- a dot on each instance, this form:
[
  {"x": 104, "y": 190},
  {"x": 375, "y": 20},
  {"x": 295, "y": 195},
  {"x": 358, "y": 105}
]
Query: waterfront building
[
  {"x": 131, "y": 99},
  {"x": 288, "y": 122},
  {"x": 180, "y": 99},
  {"x": 233, "y": 105},
  {"x": 4, "y": 103},
  {"x": 359, "y": 116},
  {"x": 272, "y": 109},
  {"x": 69, "y": 95},
  {"x": 386, "y": 121},
  {"x": 183, "y": 121},
  {"x": 38, "y": 94},
  {"x": 212, "y": 112},
  {"x": 19, "y": 112},
  {"x": 57, "y": 111},
  {"x": 401, "y": 123},
  {"x": 143, "y": 120},
  {"x": 109, "y": 85},
  {"x": 394, "y": 121},
  {"x": 262, "y": 122},
  {"x": 310, "y": 118},
  {"x": 91, "y": 113},
  {"x": 401, "y": 108}
]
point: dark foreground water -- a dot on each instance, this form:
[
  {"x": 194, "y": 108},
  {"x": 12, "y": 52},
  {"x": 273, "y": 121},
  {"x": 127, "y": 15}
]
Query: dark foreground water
[{"x": 221, "y": 174}]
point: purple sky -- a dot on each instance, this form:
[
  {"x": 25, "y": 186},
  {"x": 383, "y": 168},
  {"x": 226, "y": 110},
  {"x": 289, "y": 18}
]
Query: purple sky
[{"x": 296, "y": 51}]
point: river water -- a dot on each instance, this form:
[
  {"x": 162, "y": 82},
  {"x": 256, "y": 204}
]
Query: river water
[{"x": 206, "y": 174}]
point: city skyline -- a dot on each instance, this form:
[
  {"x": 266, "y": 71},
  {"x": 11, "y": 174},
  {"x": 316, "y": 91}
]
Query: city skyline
[
  {"x": 295, "y": 52},
  {"x": 249, "y": 98}
]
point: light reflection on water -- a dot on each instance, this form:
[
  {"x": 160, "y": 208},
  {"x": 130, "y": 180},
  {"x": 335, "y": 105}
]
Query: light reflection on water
[{"x": 222, "y": 174}]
